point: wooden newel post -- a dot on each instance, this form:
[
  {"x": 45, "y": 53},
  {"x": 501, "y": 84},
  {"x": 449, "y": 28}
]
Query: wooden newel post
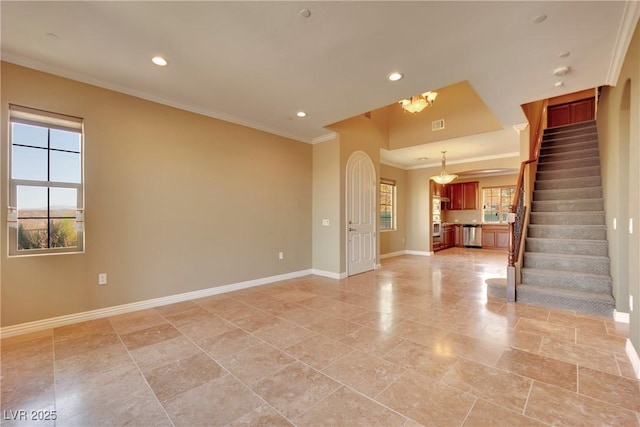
[{"x": 511, "y": 266}]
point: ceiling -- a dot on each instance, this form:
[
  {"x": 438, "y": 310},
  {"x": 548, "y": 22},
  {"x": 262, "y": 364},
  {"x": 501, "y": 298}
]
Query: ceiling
[{"x": 258, "y": 63}]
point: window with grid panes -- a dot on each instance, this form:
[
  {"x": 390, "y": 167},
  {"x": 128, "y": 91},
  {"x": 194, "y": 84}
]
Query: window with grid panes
[
  {"x": 46, "y": 212},
  {"x": 387, "y": 204},
  {"x": 495, "y": 203}
]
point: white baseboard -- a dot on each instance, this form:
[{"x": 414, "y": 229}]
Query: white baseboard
[
  {"x": 633, "y": 357},
  {"x": 620, "y": 316},
  {"x": 392, "y": 254},
  {"x": 420, "y": 253},
  {"x": 329, "y": 274},
  {"x": 55, "y": 322}
]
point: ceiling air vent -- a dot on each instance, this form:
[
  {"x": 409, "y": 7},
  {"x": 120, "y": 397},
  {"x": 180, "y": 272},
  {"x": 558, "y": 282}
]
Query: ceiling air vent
[{"x": 437, "y": 125}]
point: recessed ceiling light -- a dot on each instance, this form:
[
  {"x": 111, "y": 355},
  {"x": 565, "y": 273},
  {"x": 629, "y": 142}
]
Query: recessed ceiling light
[
  {"x": 559, "y": 84},
  {"x": 53, "y": 36},
  {"x": 540, "y": 18},
  {"x": 159, "y": 60},
  {"x": 301, "y": 114},
  {"x": 395, "y": 76},
  {"x": 564, "y": 54},
  {"x": 422, "y": 158},
  {"x": 305, "y": 13}
]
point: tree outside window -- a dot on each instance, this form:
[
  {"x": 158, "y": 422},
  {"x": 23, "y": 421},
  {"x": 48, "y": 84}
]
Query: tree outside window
[{"x": 496, "y": 202}]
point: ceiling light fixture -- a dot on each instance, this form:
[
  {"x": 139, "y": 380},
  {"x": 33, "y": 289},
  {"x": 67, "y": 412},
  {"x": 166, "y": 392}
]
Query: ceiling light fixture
[
  {"x": 159, "y": 60},
  {"x": 444, "y": 177},
  {"x": 301, "y": 114},
  {"x": 419, "y": 102},
  {"x": 395, "y": 76}
]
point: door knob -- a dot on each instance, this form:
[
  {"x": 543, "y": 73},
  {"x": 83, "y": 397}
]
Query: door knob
[{"x": 352, "y": 229}]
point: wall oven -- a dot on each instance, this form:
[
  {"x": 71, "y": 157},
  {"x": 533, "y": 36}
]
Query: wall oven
[{"x": 437, "y": 225}]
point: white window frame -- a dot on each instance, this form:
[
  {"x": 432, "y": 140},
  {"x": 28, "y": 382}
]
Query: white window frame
[
  {"x": 35, "y": 117},
  {"x": 392, "y": 183},
  {"x": 500, "y": 212}
]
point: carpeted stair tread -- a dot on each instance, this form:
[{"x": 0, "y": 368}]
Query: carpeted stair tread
[
  {"x": 567, "y": 246},
  {"x": 568, "y": 232},
  {"x": 579, "y": 281},
  {"x": 568, "y": 218},
  {"x": 568, "y": 194},
  {"x": 570, "y": 182},
  {"x": 576, "y": 263},
  {"x": 585, "y": 302},
  {"x": 578, "y": 172},
  {"x": 565, "y": 260}
]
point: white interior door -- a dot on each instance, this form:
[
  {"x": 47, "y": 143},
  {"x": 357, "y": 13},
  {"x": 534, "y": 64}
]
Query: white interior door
[{"x": 361, "y": 214}]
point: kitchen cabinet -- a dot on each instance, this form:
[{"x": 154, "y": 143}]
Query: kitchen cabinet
[
  {"x": 447, "y": 239},
  {"x": 495, "y": 236},
  {"x": 463, "y": 196},
  {"x": 442, "y": 191},
  {"x": 457, "y": 239},
  {"x": 449, "y": 236}
]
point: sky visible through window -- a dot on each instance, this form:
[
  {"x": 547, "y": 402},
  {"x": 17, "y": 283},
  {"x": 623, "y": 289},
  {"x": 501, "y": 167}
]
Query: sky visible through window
[{"x": 43, "y": 154}]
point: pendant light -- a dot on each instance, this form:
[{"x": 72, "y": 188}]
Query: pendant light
[{"x": 444, "y": 177}]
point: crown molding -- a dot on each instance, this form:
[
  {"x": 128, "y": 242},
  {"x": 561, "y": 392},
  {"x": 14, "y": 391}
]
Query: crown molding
[
  {"x": 469, "y": 160},
  {"x": 519, "y": 128},
  {"x": 630, "y": 17},
  {"x": 326, "y": 137},
  {"x": 105, "y": 84}
]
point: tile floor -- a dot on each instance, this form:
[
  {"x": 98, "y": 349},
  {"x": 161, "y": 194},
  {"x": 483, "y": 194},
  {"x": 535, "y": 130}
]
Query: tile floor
[{"x": 415, "y": 343}]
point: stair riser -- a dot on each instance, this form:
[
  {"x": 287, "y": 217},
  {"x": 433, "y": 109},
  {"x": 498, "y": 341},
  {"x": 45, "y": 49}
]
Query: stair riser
[
  {"x": 568, "y": 143},
  {"x": 592, "y": 307},
  {"x": 553, "y": 147},
  {"x": 588, "y": 126},
  {"x": 572, "y": 218},
  {"x": 579, "y": 283},
  {"x": 581, "y": 182},
  {"x": 568, "y": 206},
  {"x": 555, "y": 246},
  {"x": 557, "y": 262},
  {"x": 569, "y": 163},
  {"x": 568, "y": 173},
  {"x": 567, "y": 232},
  {"x": 568, "y": 194},
  {"x": 568, "y": 155}
]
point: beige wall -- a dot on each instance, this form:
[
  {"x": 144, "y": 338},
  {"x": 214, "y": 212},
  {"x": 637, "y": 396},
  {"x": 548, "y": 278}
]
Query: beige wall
[
  {"x": 360, "y": 133},
  {"x": 394, "y": 240},
  {"x": 619, "y": 135},
  {"x": 175, "y": 202},
  {"x": 459, "y": 105},
  {"x": 326, "y": 205}
]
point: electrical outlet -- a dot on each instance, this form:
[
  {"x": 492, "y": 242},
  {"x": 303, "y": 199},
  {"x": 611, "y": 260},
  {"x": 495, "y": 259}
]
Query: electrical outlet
[
  {"x": 102, "y": 279},
  {"x": 325, "y": 222},
  {"x": 280, "y": 255}
]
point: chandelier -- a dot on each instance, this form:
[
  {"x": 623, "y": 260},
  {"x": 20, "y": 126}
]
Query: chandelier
[
  {"x": 444, "y": 177},
  {"x": 419, "y": 102}
]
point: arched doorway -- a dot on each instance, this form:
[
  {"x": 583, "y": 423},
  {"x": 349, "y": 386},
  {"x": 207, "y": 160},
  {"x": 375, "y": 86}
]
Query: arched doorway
[{"x": 361, "y": 186}]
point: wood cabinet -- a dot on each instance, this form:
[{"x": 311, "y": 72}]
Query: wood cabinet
[
  {"x": 572, "y": 112},
  {"x": 442, "y": 190},
  {"x": 457, "y": 236},
  {"x": 463, "y": 196},
  {"x": 447, "y": 239},
  {"x": 495, "y": 236}
]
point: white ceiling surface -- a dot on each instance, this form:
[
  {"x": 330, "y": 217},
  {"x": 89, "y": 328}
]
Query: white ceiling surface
[{"x": 258, "y": 63}]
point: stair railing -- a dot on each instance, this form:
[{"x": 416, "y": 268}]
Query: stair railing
[{"x": 518, "y": 209}]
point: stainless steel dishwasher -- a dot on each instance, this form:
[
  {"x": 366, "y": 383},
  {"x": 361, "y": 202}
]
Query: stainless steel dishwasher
[{"x": 472, "y": 235}]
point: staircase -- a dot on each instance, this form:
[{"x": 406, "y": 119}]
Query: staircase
[{"x": 566, "y": 262}]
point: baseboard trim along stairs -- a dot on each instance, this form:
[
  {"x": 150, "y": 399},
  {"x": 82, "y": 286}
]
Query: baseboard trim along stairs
[{"x": 566, "y": 263}]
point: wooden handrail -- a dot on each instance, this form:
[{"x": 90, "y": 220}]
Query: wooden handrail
[{"x": 517, "y": 209}]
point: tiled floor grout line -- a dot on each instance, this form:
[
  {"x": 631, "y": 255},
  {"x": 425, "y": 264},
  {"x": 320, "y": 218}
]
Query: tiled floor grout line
[
  {"x": 229, "y": 373},
  {"x": 144, "y": 378}
]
